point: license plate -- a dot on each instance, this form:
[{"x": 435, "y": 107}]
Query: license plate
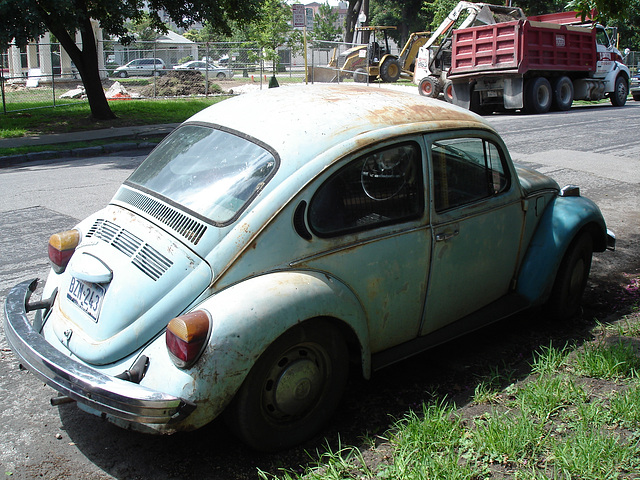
[
  {"x": 492, "y": 93},
  {"x": 86, "y": 296}
]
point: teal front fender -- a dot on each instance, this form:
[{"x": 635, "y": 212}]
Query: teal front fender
[{"x": 562, "y": 220}]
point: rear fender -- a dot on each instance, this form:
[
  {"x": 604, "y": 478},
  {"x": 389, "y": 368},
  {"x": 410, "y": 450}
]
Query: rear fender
[
  {"x": 248, "y": 316},
  {"x": 562, "y": 220}
]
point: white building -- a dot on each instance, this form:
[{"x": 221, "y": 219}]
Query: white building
[{"x": 46, "y": 59}]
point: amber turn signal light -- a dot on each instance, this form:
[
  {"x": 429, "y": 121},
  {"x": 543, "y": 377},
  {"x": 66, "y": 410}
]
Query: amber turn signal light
[
  {"x": 187, "y": 336},
  {"x": 61, "y": 248}
]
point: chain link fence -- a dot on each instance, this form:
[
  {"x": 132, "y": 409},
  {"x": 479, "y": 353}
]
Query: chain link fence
[
  {"x": 35, "y": 76},
  {"x": 42, "y": 74},
  {"x": 632, "y": 60}
]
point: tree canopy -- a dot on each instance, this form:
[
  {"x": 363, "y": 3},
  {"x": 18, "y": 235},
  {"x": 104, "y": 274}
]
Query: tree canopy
[
  {"x": 24, "y": 20},
  {"x": 324, "y": 24},
  {"x": 404, "y": 14},
  {"x": 271, "y": 29}
]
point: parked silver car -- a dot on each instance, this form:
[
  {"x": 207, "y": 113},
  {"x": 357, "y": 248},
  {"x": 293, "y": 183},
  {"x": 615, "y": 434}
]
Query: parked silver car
[
  {"x": 140, "y": 66},
  {"x": 634, "y": 87}
]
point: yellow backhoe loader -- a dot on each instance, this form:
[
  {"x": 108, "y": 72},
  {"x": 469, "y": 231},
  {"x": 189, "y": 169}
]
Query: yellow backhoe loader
[{"x": 369, "y": 62}]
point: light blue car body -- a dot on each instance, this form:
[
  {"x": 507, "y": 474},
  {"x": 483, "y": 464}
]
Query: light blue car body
[{"x": 258, "y": 276}]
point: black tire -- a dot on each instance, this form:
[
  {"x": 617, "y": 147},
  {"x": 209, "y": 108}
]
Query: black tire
[
  {"x": 429, "y": 87},
  {"x": 571, "y": 279},
  {"x": 293, "y": 388},
  {"x": 619, "y": 95},
  {"x": 221, "y": 75},
  {"x": 123, "y": 74},
  {"x": 360, "y": 75},
  {"x": 537, "y": 95},
  {"x": 448, "y": 91},
  {"x": 562, "y": 94},
  {"x": 390, "y": 70},
  {"x": 636, "y": 96}
]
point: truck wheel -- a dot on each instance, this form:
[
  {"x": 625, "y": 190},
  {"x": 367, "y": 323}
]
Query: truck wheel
[
  {"x": 537, "y": 95},
  {"x": 293, "y": 388},
  {"x": 390, "y": 70},
  {"x": 448, "y": 91},
  {"x": 619, "y": 95},
  {"x": 571, "y": 278},
  {"x": 562, "y": 94},
  {"x": 429, "y": 87}
]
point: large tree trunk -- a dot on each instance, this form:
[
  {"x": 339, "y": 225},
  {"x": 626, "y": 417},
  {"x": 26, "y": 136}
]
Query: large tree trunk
[
  {"x": 86, "y": 61},
  {"x": 351, "y": 19}
]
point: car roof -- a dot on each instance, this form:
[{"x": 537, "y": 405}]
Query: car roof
[{"x": 302, "y": 122}]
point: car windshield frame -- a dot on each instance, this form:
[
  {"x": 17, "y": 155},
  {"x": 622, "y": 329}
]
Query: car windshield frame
[{"x": 199, "y": 159}]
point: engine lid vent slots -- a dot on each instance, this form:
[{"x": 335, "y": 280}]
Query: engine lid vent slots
[
  {"x": 151, "y": 262},
  {"x": 189, "y": 228}
]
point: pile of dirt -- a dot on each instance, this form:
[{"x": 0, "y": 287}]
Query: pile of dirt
[{"x": 181, "y": 83}]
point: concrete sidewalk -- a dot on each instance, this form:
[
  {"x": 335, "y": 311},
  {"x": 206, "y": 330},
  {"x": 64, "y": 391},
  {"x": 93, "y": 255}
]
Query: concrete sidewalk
[
  {"x": 107, "y": 133},
  {"x": 128, "y": 134}
]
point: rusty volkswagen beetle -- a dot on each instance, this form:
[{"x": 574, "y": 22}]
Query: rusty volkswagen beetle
[{"x": 275, "y": 237}]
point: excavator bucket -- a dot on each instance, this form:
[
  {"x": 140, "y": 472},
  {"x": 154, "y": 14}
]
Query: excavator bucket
[{"x": 323, "y": 74}]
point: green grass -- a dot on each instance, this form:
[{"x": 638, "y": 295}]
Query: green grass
[
  {"x": 576, "y": 416},
  {"x": 76, "y": 117},
  {"x": 616, "y": 359}
]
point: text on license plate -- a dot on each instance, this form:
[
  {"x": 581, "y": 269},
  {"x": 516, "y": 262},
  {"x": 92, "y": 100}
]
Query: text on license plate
[{"x": 87, "y": 296}]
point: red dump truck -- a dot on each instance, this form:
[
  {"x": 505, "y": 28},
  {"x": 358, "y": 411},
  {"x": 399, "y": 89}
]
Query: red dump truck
[{"x": 535, "y": 64}]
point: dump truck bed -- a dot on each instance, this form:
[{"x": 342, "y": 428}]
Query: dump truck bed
[{"x": 521, "y": 46}]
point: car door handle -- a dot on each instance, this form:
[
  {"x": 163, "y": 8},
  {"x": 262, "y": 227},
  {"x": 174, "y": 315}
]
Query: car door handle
[{"x": 444, "y": 236}]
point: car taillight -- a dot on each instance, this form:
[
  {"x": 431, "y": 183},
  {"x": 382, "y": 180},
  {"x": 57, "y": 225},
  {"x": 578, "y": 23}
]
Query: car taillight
[
  {"x": 61, "y": 247},
  {"x": 187, "y": 336}
]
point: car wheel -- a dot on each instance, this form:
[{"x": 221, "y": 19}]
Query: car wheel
[
  {"x": 537, "y": 95},
  {"x": 619, "y": 95},
  {"x": 123, "y": 74},
  {"x": 293, "y": 388},
  {"x": 429, "y": 87},
  {"x": 220, "y": 75},
  {"x": 571, "y": 279},
  {"x": 390, "y": 70},
  {"x": 562, "y": 94}
]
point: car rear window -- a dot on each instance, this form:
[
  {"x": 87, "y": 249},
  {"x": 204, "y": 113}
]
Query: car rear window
[{"x": 211, "y": 172}]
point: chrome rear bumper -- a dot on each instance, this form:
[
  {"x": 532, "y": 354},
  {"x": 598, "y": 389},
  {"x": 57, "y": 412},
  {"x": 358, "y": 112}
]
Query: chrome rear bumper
[{"x": 107, "y": 394}]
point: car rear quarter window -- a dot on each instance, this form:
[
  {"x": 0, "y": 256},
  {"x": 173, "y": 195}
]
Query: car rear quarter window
[
  {"x": 466, "y": 170},
  {"x": 378, "y": 188}
]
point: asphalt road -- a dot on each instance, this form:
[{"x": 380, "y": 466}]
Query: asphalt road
[{"x": 597, "y": 148}]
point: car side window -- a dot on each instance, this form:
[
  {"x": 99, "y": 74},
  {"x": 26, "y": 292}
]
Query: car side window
[
  {"x": 377, "y": 188},
  {"x": 466, "y": 170}
]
